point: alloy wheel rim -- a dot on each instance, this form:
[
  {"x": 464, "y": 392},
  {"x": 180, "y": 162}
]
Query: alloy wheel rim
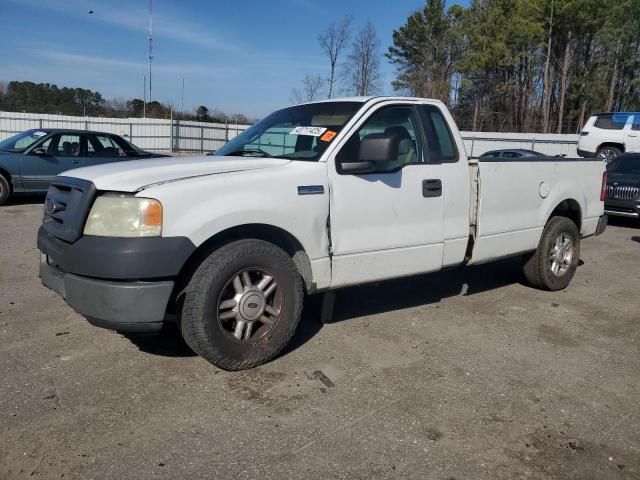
[
  {"x": 562, "y": 253},
  {"x": 250, "y": 305},
  {"x": 608, "y": 155}
]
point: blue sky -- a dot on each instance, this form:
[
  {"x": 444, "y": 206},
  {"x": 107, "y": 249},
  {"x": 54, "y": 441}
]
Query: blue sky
[{"x": 240, "y": 57}]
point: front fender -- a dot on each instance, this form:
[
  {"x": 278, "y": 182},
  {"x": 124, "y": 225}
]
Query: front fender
[{"x": 203, "y": 207}]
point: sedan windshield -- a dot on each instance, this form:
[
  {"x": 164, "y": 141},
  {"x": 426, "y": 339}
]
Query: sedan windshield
[
  {"x": 22, "y": 141},
  {"x": 302, "y": 132}
]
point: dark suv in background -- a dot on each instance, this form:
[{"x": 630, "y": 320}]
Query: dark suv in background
[{"x": 623, "y": 186}]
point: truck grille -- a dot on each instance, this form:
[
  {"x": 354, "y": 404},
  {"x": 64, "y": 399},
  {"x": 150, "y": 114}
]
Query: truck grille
[
  {"x": 67, "y": 206},
  {"x": 622, "y": 192}
]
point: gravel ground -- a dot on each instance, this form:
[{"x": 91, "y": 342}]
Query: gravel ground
[{"x": 463, "y": 374}]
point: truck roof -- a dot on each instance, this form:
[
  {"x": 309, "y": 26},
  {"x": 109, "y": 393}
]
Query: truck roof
[{"x": 370, "y": 98}]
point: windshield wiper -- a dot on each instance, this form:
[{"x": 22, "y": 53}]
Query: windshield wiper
[{"x": 249, "y": 151}]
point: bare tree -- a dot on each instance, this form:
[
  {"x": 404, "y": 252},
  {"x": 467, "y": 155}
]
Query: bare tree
[
  {"x": 333, "y": 41},
  {"x": 311, "y": 89},
  {"x": 363, "y": 66}
]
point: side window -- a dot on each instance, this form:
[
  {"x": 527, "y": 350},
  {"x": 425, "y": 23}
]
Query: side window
[
  {"x": 398, "y": 122},
  {"x": 511, "y": 155},
  {"x": 611, "y": 122},
  {"x": 636, "y": 123},
  {"x": 67, "y": 145},
  {"x": 441, "y": 147},
  {"x": 102, "y": 146}
]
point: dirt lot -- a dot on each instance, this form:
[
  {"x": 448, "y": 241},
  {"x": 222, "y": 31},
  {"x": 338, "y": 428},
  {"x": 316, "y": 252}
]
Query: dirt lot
[{"x": 465, "y": 374}]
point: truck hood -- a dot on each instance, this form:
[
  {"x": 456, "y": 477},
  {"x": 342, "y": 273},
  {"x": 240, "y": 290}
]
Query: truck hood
[{"x": 136, "y": 175}]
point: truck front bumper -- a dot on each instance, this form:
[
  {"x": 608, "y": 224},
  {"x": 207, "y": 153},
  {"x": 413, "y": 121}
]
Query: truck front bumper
[{"x": 117, "y": 305}]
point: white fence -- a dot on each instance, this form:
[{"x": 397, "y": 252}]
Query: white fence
[
  {"x": 177, "y": 136},
  {"x": 551, "y": 144},
  {"x": 146, "y": 133}
]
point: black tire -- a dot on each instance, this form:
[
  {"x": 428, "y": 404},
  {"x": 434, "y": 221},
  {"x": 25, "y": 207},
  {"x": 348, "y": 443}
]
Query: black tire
[
  {"x": 538, "y": 266},
  {"x": 201, "y": 325},
  {"x": 608, "y": 153},
  {"x": 5, "y": 189}
]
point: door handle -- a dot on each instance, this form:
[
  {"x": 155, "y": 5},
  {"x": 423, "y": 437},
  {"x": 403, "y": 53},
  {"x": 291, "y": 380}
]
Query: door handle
[
  {"x": 76, "y": 162},
  {"x": 432, "y": 188}
]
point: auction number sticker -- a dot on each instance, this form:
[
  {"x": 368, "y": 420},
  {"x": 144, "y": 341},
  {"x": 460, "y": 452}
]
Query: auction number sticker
[
  {"x": 308, "y": 131},
  {"x": 40, "y": 134}
]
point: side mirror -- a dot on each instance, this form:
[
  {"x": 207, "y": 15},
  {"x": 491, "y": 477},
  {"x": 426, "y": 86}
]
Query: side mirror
[
  {"x": 379, "y": 147},
  {"x": 41, "y": 152},
  {"x": 374, "y": 148}
]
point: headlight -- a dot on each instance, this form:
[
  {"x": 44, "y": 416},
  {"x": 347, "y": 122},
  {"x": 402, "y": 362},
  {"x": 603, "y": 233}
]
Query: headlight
[{"x": 121, "y": 215}]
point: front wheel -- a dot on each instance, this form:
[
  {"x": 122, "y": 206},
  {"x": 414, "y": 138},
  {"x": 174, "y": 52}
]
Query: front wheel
[
  {"x": 554, "y": 263},
  {"x": 5, "y": 189},
  {"x": 242, "y": 305}
]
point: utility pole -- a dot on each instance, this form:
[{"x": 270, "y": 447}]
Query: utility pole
[
  {"x": 150, "y": 53},
  {"x": 144, "y": 98},
  {"x": 182, "y": 100}
]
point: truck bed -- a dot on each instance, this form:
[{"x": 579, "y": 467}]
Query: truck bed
[{"x": 513, "y": 198}]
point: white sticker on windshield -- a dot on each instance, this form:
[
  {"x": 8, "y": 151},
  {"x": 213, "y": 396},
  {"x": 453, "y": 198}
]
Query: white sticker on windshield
[
  {"x": 309, "y": 131},
  {"x": 39, "y": 134}
]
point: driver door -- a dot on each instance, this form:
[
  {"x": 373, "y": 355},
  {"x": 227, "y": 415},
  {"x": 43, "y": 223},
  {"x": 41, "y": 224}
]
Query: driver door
[
  {"x": 63, "y": 153},
  {"x": 388, "y": 223}
]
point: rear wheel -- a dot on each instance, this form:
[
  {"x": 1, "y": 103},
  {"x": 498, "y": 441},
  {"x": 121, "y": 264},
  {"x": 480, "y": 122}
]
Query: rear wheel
[
  {"x": 608, "y": 154},
  {"x": 554, "y": 263},
  {"x": 242, "y": 305},
  {"x": 5, "y": 189}
]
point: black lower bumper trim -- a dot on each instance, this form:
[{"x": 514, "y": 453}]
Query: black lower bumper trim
[
  {"x": 123, "y": 306},
  {"x": 585, "y": 154},
  {"x": 137, "y": 327}
]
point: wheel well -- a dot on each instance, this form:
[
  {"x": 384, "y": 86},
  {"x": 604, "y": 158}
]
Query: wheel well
[
  {"x": 570, "y": 209},
  {"x": 7, "y": 175},
  {"x": 619, "y": 146},
  {"x": 267, "y": 233}
]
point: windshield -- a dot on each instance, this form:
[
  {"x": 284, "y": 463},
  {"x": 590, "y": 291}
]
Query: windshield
[
  {"x": 302, "y": 132},
  {"x": 22, "y": 141},
  {"x": 624, "y": 164}
]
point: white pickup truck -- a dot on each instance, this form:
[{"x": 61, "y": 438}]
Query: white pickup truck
[{"x": 312, "y": 198}]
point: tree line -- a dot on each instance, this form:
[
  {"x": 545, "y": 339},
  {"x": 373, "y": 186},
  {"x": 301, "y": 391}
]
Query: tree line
[
  {"x": 32, "y": 97},
  {"x": 522, "y": 65},
  {"x": 358, "y": 74},
  {"x": 500, "y": 65}
]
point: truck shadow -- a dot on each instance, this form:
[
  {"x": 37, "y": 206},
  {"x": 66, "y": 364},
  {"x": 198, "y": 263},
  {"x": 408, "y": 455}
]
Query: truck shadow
[
  {"x": 168, "y": 343},
  {"x": 370, "y": 299},
  {"x": 25, "y": 199},
  {"x": 624, "y": 222},
  {"x": 391, "y": 295}
]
